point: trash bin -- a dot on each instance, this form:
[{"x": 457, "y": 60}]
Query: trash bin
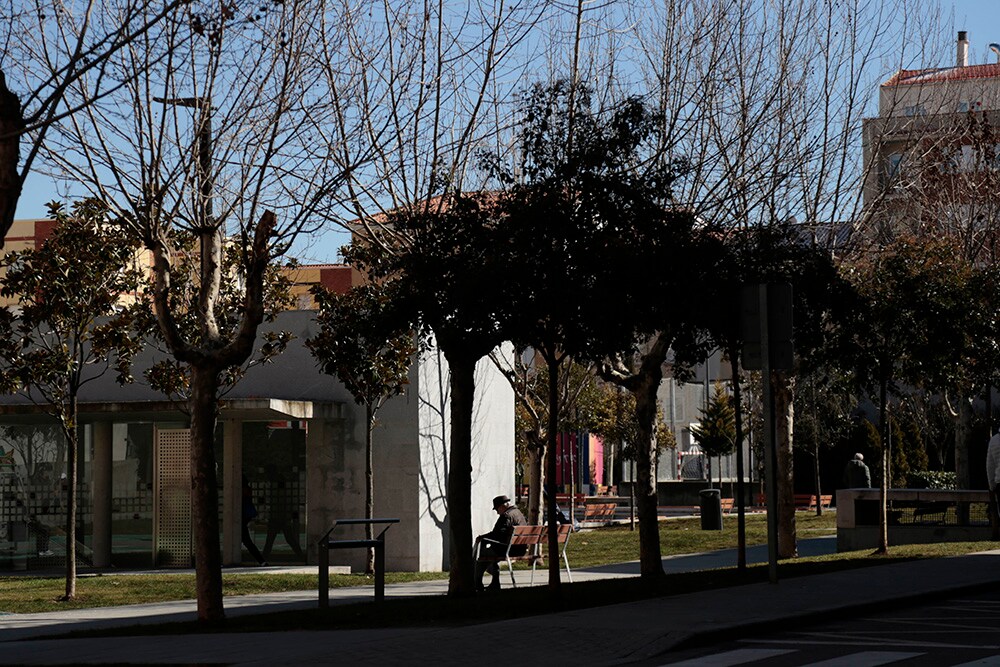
[{"x": 711, "y": 509}]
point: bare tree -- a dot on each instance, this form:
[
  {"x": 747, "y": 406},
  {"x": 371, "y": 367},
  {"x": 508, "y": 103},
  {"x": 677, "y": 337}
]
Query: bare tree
[
  {"x": 48, "y": 47},
  {"x": 221, "y": 138},
  {"x": 766, "y": 103}
]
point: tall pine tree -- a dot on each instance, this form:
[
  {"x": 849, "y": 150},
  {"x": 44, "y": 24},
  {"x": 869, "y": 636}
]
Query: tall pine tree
[{"x": 716, "y": 434}]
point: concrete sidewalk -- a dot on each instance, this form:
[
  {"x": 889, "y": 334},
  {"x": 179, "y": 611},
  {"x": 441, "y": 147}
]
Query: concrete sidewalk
[
  {"x": 29, "y": 626},
  {"x": 608, "y": 635}
]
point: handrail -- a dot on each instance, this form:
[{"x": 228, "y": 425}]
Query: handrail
[
  {"x": 356, "y": 522},
  {"x": 378, "y": 543}
]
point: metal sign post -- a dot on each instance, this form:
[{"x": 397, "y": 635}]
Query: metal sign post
[{"x": 766, "y": 329}]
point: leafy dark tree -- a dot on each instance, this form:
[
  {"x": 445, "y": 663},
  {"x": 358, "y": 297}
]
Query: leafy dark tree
[
  {"x": 913, "y": 442},
  {"x": 716, "y": 432},
  {"x": 585, "y": 209},
  {"x": 780, "y": 253},
  {"x": 451, "y": 280},
  {"x": 70, "y": 329},
  {"x": 910, "y": 323},
  {"x": 981, "y": 364},
  {"x": 824, "y": 400},
  {"x": 370, "y": 351}
]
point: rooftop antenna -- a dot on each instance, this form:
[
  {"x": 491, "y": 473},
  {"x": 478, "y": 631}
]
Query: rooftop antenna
[{"x": 995, "y": 48}]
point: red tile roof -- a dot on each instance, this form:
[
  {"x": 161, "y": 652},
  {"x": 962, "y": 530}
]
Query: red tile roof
[{"x": 941, "y": 74}]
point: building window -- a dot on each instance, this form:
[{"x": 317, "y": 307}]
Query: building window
[
  {"x": 963, "y": 106},
  {"x": 915, "y": 110},
  {"x": 893, "y": 166}
]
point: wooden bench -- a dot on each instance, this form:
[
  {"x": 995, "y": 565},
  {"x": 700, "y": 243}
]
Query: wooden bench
[
  {"x": 532, "y": 538},
  {"x": 599, "y": 512},
  {"x": 807, "y": 501},
  {"x": 607, "y": 490},
  {"x": 563, "y": 499},
  {"x": 728, "y": 504},
  {"x": 803, "y": 501},
  {"x": 325, "y": 544}
]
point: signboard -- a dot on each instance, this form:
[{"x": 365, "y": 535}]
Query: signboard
[{"x": 779, "y": 326}]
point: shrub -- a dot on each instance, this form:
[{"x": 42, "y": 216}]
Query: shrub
[{"x": 932, "y": 479}]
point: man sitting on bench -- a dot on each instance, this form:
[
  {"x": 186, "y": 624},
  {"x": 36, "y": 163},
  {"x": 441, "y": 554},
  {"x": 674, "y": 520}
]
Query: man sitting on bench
[{"x": 493, "y": 545}]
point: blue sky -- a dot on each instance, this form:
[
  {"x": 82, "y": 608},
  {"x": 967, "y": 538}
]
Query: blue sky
[{"x": 981, "y": 18}]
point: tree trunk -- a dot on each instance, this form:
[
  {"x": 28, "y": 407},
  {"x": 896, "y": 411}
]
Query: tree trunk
[
  {"x": 816, "y": 449},
  {"x": 819, "y": 488},
  {"x": 203, "y": 406},
  {"x": 550, "y": 474},
  {"x": 883, "y": 509},
  {"x": 461, "y": 576},
  {"x": 784, "y": 412},
  {"x": 650, "y": 556},
  {"x": 11, "y": 127},
  {"x": 963, "y": 433},
  {"x": 740, "y": 493},
  {"x": 72, "y": 431},
  {"x": 631, "y": 503},
  {"x": 369, "y": 487},
  {"x": 536, "y": 450}
]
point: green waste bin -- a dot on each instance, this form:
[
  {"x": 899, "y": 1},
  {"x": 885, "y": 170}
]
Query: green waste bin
[{"x": 711, "y": 509}]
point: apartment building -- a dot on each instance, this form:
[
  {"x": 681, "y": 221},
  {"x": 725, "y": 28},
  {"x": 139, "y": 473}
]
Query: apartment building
[{"x": 932, "y": 155}]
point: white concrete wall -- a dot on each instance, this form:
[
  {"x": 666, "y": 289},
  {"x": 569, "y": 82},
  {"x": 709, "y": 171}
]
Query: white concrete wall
[
  {"x": 411, "y": 465},
  {"x": 492, "y": 452},
  {"x": 433, "y": 434},
  {"x": 337, "y": 479},
  {"x": 396, "y": 460},
  {"x": 492, "y": 444}
]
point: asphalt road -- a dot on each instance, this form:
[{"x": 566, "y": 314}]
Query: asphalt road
[{"x": 961, "y": 631}]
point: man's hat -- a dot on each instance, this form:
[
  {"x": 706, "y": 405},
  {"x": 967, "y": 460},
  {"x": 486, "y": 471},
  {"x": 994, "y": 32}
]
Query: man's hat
[{"x": 500, "y": 500}]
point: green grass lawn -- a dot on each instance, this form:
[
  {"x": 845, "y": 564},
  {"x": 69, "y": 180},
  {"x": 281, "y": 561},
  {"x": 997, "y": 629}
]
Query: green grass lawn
[
  {"x": 684, "y": 536},
  {"x": 515, "y": 603},
  {"x": 37, "y": 594},
  {"x": 589, "y": 548}
]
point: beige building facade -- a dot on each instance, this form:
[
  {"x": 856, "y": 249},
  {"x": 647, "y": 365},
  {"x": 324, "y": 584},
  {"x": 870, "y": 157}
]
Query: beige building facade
[{"x": 932, "y": 155}]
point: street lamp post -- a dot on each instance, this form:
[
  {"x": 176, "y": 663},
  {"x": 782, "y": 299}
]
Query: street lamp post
[{"x": 205, "y": 225}]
